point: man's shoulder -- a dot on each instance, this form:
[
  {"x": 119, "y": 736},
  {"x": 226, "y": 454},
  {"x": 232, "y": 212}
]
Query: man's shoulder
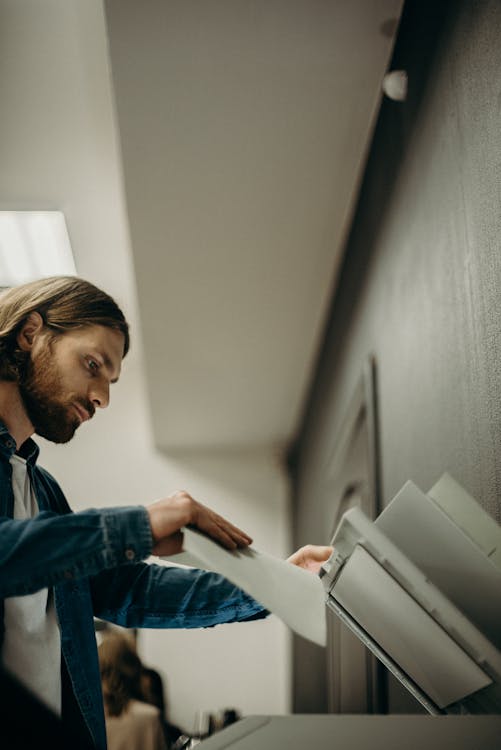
[
  {"x": 52, "y": 489},
  {"x": 47, "y": 478}
]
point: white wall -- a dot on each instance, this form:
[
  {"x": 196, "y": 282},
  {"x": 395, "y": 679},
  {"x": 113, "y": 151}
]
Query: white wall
[{"x": 58, "y": 149}]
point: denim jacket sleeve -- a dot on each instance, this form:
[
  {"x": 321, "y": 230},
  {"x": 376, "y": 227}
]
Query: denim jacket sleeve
[
  {"x": 104, "y": 548},
  {"x": 157, "y": 596},
  {"x": 51, "y": 548}
]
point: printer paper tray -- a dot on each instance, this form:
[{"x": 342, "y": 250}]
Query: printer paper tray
[{"x": 383, "y": 657}]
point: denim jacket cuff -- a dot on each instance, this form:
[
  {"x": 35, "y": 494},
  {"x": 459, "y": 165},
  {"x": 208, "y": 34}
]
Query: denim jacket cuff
[{"x": 127, "y": 533}]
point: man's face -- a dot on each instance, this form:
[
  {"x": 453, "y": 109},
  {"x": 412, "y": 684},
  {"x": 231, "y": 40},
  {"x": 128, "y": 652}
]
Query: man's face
[{"x": 66, "y": 379}]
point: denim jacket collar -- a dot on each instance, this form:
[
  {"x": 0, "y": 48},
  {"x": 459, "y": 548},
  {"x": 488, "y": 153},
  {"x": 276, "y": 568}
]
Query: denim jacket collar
[{"x": 29, "y": 449}]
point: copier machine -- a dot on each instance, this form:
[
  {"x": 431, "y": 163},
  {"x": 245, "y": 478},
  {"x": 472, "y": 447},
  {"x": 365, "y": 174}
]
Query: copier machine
[{"x": 421, "y": 587}]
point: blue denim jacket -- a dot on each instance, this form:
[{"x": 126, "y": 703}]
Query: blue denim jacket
[{"x": 93, "y": 561}]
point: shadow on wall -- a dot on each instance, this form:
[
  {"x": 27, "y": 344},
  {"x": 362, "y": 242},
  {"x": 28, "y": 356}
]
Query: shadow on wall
[{"x": 253, "y": 482}]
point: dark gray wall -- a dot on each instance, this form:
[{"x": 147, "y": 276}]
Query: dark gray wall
[{"x": 420, "y": 286}]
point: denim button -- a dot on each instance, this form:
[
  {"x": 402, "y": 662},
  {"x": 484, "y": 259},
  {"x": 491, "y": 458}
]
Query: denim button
[
  {"x": 130, "y": 554},
  {"x": 10, "y": 443}
]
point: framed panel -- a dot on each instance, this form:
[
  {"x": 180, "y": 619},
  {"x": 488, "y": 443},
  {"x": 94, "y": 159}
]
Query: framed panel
[{"x": 355, "y": 678}]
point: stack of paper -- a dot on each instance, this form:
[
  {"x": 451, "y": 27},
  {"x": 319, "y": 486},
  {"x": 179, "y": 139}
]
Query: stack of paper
[{"x": 292, "y": 593}]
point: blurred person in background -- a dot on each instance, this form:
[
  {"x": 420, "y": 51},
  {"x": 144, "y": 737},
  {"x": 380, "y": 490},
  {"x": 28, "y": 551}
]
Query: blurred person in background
[
  {"x": 131, "y": 722},
  {"x": 152, "y": 688}
]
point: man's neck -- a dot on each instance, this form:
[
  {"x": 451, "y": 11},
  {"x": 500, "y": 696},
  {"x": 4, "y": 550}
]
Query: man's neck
[{"x": 13, "y": 414}]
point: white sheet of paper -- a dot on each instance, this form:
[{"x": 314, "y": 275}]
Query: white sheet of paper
[{"x": 292, "y": 593}]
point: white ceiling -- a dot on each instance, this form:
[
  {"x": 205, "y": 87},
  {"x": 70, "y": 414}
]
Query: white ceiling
[
  {"x": 58, "y": 145},
  {"x": 244, "y": 126},
  {"x": 243, "y": 130}
]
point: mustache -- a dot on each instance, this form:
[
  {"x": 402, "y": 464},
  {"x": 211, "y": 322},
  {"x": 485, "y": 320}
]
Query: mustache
[{"x": 87, "y": 405}]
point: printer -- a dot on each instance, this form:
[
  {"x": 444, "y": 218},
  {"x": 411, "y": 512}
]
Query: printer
[{"x": 421, "y": 587}]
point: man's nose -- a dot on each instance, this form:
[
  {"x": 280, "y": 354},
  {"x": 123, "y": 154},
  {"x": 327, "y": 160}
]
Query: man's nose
[{"x": 100, "y": 395}]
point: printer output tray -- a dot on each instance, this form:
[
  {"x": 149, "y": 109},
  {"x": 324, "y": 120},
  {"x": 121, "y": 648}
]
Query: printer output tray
[{"x": 410, "y": 626}]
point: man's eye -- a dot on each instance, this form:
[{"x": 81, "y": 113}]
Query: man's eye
[{"x": 93, "y": 365}]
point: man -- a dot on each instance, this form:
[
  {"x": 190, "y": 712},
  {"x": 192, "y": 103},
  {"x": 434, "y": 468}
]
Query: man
[{"x": 62, "y": 342}]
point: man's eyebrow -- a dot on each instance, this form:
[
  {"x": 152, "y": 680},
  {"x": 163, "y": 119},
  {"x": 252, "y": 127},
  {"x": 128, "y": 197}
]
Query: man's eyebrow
[{"x": 108, "y": 363}]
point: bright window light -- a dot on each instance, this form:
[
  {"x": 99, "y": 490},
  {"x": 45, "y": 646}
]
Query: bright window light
[{"x": 33, "y": 245}]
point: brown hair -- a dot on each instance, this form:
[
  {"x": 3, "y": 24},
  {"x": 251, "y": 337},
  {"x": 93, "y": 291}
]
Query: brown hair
[
  {"x": 121, "y": 670},
  {"x": 65, "y": 303}
]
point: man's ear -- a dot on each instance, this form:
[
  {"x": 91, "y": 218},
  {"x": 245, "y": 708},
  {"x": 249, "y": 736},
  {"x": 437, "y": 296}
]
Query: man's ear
[{"x": 32, "y": 326}]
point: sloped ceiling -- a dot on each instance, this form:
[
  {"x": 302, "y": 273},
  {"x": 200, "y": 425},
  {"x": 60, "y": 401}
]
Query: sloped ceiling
[{"x": 244, "y": 127}]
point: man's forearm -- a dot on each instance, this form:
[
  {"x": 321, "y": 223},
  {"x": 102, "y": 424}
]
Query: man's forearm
[{"x": 51, "y": 548}]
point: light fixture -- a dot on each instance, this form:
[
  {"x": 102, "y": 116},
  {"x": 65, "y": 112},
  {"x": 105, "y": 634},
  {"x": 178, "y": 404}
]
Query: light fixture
[
  {"x": 395, "y": 85},
  {"x": 33, "y": 245}
]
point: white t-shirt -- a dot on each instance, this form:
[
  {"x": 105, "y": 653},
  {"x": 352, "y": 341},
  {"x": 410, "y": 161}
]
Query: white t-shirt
[{"x": 32, "y": 644}]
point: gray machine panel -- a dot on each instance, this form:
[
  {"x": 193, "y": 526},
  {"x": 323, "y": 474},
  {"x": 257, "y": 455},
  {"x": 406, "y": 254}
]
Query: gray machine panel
[
  {"x": 449, "y": 556},
  {"x": 359, "y": 732},
  {"x": 397, "y": 609},
  {"x": 406, "y": 631}
]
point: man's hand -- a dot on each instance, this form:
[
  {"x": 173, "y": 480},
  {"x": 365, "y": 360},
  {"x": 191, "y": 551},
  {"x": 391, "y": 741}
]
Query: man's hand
[
  {"x": 310, "y": 557},
  {"x": 169, "y": 515}
]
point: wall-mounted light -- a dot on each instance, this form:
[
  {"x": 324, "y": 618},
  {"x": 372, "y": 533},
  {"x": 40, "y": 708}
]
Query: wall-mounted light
[
  {"x": 395, "y": 85},
  {"x": 33, "y": 245}
]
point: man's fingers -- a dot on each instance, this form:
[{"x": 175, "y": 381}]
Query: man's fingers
[
  {"x": 224, "y": 538},
  {"x": 239, "y": 537},
  {"x": 318, "y": 553},
  {"x": 219, "y": 528},
  {"x": 226, "y": 534},
  {"x": 310, "y": 557}
]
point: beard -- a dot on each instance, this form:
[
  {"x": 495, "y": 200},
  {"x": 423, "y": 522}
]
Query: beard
[{"x": 40, "y": 387}]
